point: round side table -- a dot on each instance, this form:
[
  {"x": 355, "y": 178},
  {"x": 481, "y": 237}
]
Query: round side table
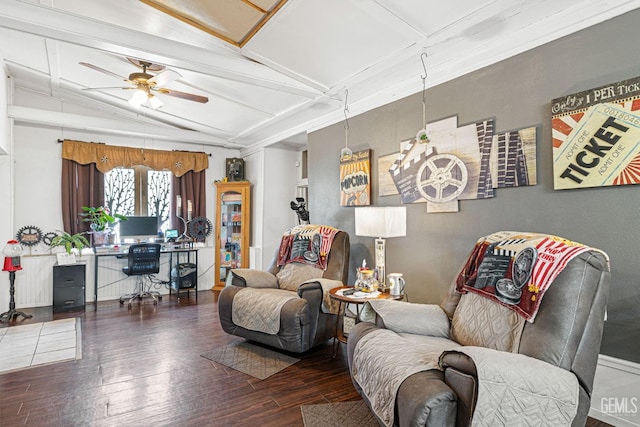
[{"x": 336, "y": 294}]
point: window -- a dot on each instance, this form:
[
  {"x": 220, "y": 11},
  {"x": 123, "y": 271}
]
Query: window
[{"x": 139, "y": 191}]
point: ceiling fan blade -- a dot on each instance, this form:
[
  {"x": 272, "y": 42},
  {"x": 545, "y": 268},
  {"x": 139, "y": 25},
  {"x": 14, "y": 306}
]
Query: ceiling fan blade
[
  {"x": 164, "y": 77},
  {"x": 183, "y": 95},
  {"x": 102, "y": 70},
  {"x": 106, "y": 88}
]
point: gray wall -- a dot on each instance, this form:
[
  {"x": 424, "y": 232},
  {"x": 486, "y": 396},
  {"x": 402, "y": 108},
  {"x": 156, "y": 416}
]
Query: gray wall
[{"x": 517, "y": 93}]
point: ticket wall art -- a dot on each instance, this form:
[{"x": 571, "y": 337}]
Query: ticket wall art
[
  {"x": 596, "y": 137},
  {"x": 461, "y": 163},
  {"x": 355, "y": 179}
]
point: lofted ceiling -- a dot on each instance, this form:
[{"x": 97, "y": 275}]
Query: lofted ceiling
[{"x": 269, "y": 77}]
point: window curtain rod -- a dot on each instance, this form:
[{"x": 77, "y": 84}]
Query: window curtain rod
[{"x": 60, "y": 141}]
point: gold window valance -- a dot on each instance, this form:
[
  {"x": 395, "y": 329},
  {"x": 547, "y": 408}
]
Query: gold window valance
[{"x": 107, "y": 157}]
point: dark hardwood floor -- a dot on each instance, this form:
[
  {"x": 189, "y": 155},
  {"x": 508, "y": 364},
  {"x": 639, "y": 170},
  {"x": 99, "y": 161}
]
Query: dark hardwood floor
[{"x": 142, "y": 367}]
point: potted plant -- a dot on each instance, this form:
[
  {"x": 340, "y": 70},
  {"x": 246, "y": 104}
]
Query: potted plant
[
  {"x": 70, "y": 241},
  {"x": 101, "y": 222}
]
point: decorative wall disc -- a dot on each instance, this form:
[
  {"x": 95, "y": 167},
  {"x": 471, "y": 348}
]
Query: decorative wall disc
[
  {"x": 29, "y": 235},
  {"x": 48, "y": 238},
  {"x": 200, "y": 228}
]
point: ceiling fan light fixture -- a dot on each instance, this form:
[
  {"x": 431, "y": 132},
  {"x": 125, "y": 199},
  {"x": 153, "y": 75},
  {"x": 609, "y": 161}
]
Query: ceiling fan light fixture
[
  {"x": 138, "y": 98},
  {"x": 155, "y": 102}
]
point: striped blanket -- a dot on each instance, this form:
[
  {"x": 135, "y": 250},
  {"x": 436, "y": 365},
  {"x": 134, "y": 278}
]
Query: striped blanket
[
  {"x": 516, "y": 268},
  {"x": 309, "y": 244}
]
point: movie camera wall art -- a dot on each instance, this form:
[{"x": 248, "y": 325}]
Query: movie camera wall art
[
  {"x": 458, "y": 163},
  {"x": 596, "y": 137}
]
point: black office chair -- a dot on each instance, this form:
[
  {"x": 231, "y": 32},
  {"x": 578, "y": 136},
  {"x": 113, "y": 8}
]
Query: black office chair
[{"x": 144, "y": 260}]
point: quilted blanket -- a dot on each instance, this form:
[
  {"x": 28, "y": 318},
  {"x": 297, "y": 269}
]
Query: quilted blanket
[
  {"x": 516, "y": 269},
  {"x": 380, "y": 373},
  {"x": 258, "y": 309},
  {"x": 514, "y": 389},
  {"x": 308, "y": 244}
]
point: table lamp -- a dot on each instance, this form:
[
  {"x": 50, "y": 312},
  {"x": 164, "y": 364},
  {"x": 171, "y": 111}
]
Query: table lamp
[{"x": 381, "y": 223}]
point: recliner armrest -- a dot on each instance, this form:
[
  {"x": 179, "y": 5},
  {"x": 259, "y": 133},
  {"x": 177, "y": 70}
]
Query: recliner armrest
[
  {"x": 251, "y": 278},
  {"x": 466, "y": 369},
  {"x": 328, "y": 305},
  {"x": 406, "y": 317}
]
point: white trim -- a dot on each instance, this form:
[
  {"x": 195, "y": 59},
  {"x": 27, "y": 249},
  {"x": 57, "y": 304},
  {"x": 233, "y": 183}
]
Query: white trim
[{"x": 619, "y": 364}]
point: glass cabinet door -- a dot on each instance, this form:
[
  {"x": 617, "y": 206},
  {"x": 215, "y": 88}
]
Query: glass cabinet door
[
  {"x": 230, "y": 233},
  {"x": 232, "y": 229}
]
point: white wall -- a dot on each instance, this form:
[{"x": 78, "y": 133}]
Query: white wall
[
  {"x": 280, "y": 179},
  {"x": 5, "y": 179},
  {"x": 254, "y": 173},
  {"x": 272, "y": 172}
]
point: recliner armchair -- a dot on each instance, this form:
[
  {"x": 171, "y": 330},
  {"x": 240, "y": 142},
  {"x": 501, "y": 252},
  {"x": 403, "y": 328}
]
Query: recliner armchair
[
  {"x": 287, "y": 306},
  {"x": 470, "y": 359}
]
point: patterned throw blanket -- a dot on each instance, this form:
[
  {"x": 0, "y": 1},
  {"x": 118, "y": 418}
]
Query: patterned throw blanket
[
  {"x": 307, "y": 244},
  {"x": 516, "y": 269}
]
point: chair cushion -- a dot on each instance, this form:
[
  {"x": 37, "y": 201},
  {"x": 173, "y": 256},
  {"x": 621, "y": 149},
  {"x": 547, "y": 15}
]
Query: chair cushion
[
  {"x": 292, "y": 275},
  {"x": 481, "y": 322}
]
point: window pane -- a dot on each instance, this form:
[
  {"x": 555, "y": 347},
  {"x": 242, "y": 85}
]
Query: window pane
[
  {"x": 119, "y": 191},
  {"x": 159, "y": 196}
]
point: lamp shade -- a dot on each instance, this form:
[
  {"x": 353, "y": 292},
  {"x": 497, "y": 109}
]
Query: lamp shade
[{"x": 387, "y": 221}]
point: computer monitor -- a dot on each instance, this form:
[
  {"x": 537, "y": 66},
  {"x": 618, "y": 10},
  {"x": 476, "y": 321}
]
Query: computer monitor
[
  {"x": 139, "y": 228},
  {"x": 171, "y": 234}
]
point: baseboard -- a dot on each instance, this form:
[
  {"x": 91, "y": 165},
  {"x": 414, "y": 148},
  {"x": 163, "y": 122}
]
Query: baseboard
[
  {"x": 626, "y": 369},
  {"x": 619, "y": 364}
]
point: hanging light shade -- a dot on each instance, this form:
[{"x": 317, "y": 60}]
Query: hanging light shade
[
  {"x": 138, "y": 98},
  {"x": 154, "y": 102}
]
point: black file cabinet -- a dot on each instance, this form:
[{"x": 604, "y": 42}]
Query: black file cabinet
[
  {"x": 69, "y": 287},
  {"x": 184, "y": 277}
]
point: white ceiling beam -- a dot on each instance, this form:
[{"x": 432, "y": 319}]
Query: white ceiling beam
[
  {"x": 111, "y": 126},
  {"x": 60, "y": 25},
  {"x": 54, "y": 66}
]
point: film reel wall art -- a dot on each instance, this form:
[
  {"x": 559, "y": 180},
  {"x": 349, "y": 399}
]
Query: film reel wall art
[{"x": 458, "y": 163}]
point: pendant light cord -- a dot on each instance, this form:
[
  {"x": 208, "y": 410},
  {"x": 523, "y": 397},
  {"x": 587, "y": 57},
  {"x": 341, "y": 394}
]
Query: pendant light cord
[{"x": 423, "y": 56}]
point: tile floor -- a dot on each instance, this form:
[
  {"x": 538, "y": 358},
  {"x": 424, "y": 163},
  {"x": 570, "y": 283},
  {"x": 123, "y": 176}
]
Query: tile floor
[{"x": 39, "y": 343}]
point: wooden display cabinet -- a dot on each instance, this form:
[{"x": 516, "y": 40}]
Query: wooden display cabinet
[{"x": 233, "y": 217}]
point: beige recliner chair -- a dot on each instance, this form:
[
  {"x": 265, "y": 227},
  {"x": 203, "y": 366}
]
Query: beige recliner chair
[
  {"x": 287, "y": 306},
  {"x": 471, "y": 360}
]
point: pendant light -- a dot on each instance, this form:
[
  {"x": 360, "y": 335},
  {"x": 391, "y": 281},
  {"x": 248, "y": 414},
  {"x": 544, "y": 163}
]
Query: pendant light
[
  {"x": 346, "y": 153},
  {"x": 422, "y": 136}
]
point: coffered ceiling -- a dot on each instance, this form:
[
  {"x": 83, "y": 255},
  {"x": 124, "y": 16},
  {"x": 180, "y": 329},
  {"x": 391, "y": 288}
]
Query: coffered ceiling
[{"x": 271, "y": 74}]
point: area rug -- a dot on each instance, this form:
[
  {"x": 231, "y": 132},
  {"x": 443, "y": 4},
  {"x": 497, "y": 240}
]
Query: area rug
[
  {"x": 42, "y": 343},
  {"x": 343, "y": 414},
  {"x": 259, "y": 362}
]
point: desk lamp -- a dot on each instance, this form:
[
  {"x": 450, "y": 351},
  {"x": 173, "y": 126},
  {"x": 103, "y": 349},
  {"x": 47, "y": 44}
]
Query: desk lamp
[{"x": 381, "y": 223}]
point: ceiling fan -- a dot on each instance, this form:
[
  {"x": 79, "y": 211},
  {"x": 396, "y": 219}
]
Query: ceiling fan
[{"x": 146, "y": 86}]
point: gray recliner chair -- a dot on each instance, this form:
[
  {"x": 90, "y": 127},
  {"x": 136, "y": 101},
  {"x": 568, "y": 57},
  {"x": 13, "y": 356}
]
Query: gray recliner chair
[
  {"x": 481, "y": 347},
  {"x": 294, "y": 296}
]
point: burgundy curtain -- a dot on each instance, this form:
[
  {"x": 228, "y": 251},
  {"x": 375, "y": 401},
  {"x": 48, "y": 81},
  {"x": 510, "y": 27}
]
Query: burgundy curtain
[
  {"x": 82, "y": 185},
  {"x": 190, "y": 186}
]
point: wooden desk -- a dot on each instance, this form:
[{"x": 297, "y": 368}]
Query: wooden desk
[{"x": 123, "y": 255}]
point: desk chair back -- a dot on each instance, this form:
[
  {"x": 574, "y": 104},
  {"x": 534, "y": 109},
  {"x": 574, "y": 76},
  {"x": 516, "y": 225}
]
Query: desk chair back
[{"x": 144, "y": 258}]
